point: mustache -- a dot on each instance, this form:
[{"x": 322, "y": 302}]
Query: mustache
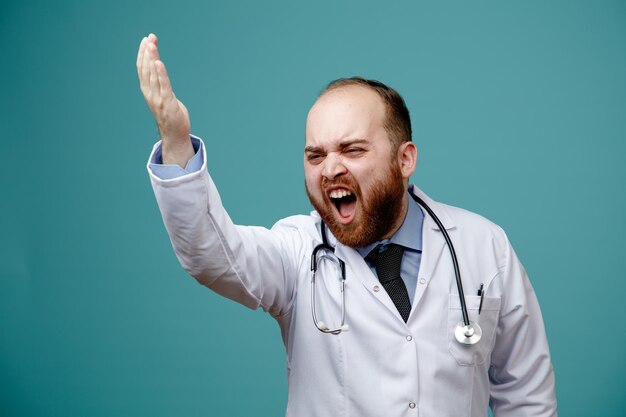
[{"x": 347, "y": 182}]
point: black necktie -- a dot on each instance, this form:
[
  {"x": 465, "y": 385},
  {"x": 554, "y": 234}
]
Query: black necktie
[{"x": 387, "y": 260}]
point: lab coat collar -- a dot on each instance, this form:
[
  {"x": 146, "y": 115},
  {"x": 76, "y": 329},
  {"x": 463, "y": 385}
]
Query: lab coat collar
[{"x": 439, "y": 209}]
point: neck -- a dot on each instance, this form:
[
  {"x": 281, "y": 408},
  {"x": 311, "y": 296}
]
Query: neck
[{"x": 400, "y": 218}]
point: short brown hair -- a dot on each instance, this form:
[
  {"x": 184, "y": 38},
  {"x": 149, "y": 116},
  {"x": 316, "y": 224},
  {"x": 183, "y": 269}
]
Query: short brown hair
[{"x": 397, "y": 120}]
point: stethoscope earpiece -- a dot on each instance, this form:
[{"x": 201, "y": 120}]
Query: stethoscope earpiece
[{"x": 325, "y": 329}]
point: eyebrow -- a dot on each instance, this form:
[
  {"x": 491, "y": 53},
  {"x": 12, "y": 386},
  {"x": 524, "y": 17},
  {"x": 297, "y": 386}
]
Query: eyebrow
[{"x": 342, "y": 145}]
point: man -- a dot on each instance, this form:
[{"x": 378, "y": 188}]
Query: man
[{"x": 394, "y": 352}]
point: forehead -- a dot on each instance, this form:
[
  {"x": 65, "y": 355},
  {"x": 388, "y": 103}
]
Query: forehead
[{"x": 344, "y": 113}]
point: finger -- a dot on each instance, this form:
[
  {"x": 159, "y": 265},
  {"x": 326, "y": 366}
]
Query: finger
[
  {"x": 147, "y": 63},
  {"x": 154, "y": 87},
  {"x": 155, "y": 53},
  {"x": 154, "y": 49},
  {"x": 142, "y": 67},
  {"x": 142, "y": 47},
  {"x": 165, "y": 87}
]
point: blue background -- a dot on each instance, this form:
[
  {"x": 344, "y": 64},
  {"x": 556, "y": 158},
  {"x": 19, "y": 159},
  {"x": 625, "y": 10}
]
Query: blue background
[{"x": 519, "y": 114}]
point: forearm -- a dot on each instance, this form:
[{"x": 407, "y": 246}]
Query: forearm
[
  {"x": 246, "y": 264},
  {"x": 522, "y": 376}
]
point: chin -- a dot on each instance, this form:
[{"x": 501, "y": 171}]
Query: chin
[
  {"x": 378, "y": 211},
  {"x": 362, "y": 231}
]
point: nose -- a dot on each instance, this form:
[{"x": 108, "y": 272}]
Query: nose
[{"x": 333, "y": 167}]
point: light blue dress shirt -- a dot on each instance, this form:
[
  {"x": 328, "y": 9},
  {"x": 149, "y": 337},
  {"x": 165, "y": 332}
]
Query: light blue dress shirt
[
  {"x": 409, "y": 235},
  {"x": 171, "y": 171}
]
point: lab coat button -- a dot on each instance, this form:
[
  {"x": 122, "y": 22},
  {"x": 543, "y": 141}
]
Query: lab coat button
[
  {"x": 409, "y": 338},
  {"x": 412, "y": 405},
  {"x": 422, "y": 281},
  {"x": 376, "y": 288}
]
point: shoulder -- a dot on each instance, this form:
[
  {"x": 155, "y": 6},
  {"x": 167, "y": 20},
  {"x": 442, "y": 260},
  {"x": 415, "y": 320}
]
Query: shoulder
[
  {"x": 465, "y": 219},
  {"x": 298, "y": 221},
  {"x": 472, "y": 227},
  {"x": 306, "y": 227},
  {"x": 483, "y": 241}
]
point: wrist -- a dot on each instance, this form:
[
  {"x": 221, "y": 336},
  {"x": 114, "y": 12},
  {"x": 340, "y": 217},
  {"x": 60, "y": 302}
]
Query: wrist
[{"x": 177, "y": 152}]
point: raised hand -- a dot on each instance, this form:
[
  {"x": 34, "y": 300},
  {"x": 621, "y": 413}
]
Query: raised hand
[{"x": 171, "y": 115}]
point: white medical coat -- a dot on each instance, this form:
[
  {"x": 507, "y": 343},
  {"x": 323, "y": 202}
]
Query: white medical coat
[{"x": 382, "y": 366}]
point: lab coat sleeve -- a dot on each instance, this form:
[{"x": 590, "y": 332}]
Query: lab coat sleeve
[
  {"x": 521, "y": 372},
  {"x": 251, "y": 265},
  {"x": 171, "y": 171}
]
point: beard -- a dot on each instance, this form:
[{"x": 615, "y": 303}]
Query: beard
[{"x": 377, "y": 212}]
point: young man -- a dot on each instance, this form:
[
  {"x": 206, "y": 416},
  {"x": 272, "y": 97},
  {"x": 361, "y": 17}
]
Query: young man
[{"x": 383, "y": 340}]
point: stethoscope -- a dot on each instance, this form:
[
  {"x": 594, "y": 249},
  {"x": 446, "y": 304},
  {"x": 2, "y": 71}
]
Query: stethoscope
[{"x": 466, "y": 331}]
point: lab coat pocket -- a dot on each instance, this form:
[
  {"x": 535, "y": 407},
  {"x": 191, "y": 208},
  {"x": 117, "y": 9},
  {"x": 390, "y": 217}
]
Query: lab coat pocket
[{"x": 476, "y": 354}]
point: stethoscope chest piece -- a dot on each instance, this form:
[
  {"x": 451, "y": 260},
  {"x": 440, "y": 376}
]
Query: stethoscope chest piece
[{"x": 468, "y": 335}]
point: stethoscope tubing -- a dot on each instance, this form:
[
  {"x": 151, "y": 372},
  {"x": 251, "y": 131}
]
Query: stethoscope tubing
[{"x": 455, "y": 262}]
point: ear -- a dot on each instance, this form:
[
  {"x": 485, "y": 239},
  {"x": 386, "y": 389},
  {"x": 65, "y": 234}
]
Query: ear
[{"x": 407, "y": 159}]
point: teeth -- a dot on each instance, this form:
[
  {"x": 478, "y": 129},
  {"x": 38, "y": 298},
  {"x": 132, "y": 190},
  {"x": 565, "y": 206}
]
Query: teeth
[{"x": 339, "y": 193}]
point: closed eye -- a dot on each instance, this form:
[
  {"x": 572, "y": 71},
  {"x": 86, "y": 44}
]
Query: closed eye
[
  {"x": 314, "y": 158},
  {"x": 354, "y": 151}
]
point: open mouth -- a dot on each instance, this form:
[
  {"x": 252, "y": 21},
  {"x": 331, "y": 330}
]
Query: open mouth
[{"x": 345, "y": 203}]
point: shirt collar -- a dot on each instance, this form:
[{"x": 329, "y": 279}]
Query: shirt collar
[{"x": 408, "y": 235}]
